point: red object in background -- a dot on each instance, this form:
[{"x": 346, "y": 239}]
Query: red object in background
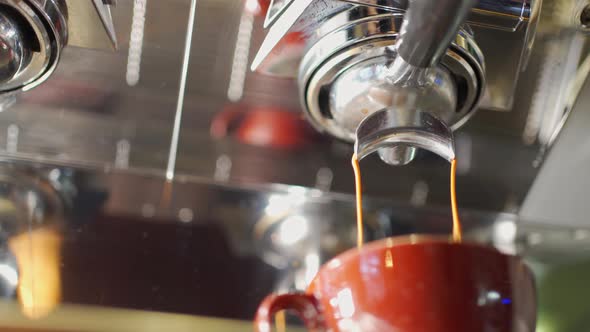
[
  {"x": 264, "y": 126},
  {"x": 430, "y": 285},
  {"x": 264, "y": 4},
  {"x": 284, "y": 59}
]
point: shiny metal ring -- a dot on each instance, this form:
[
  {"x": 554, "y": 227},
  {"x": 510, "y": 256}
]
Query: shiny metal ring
[
  {"x": 47, "y": 23},
  {"x": 370, "y": 38}
]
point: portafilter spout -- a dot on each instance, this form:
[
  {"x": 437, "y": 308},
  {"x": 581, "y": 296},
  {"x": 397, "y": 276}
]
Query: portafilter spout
[
  {"x": 396, "y": 134},
  {"x": 428, "y": 29}
]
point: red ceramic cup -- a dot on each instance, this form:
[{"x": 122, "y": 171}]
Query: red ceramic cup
[{"x": 414, "y": 284}]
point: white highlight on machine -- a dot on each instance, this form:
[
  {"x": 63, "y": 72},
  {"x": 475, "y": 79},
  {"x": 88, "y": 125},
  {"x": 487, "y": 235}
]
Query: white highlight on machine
[
  {"x": 281, "y": 204},
  {"x": 223, "y": 168},
  {"x": 122, "y": 154},
  {"x": 277, "y": 205},
  {"x": 186, "y": 215},
  {"x": 504, "y": 235},
  {"x": 12, "y": 138},
  {"x": 324, "y": 179},
  {"x": 136, "y": 42},
  {"x": 170, "y": 169},
  {"x": 505, "y": 231},
  {"x": 292, "y": 230},
  {"x": 239, "y": 67},
  {"x": 549, "y": 105},
  {"x": 9, "y": 274}
]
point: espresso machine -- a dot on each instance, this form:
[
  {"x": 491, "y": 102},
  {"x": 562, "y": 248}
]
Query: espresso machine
[{"x": 175, "y": 161}]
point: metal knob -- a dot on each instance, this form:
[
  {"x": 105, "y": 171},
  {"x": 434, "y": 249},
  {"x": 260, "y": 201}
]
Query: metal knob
[{"x": 14, "y": 51}]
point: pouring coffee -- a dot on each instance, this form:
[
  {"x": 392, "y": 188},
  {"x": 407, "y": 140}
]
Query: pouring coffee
[{"x": 413, "y": 283}]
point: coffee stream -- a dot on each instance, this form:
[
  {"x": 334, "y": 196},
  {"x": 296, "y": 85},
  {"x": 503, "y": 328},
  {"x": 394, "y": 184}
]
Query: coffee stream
[
  {"x": 457, "y": 233},
  {"x": 359, "y": 201},
  {"x": 280, "y": 319}
]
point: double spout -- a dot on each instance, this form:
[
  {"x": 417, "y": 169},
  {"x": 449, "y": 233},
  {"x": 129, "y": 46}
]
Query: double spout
[{"x": 397, "y": 131}]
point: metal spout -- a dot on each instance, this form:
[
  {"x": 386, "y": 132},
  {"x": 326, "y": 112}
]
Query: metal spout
[
  {"x": 428, "y": 29},
  {"x": 395, "y": 136},
  {"x": 398, "y": 155}
]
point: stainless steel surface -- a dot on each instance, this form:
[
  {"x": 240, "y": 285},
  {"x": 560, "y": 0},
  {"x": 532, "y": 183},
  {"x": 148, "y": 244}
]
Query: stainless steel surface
[
  {"x": 8, "y": 274},
  {"x": 503, "y": 15},
  {"x": 353, "y": 71},
  {"x": 560, "y": 190},
  {"x": 103, "y": 7},
  {"x": 13, "y": 53},
  {"x": 91, "y": 24},
  {"x": 280, "y": 29},
  {"x": 34, "y": 33},
  {"x": 428, "y": 30},
  {"x": 39, "y": 27},
  {"x": 191, "y": 247},
  {"x": 503, "y": 68},
  {"x": 397, "y": 155},
  {"x": 409, "y": 88},
  {"x": 259, "y": 207},
  {"x": 401, "y": 127},
  {"x": 88, "y": 115},
  {"x": 365, "y": 61}
]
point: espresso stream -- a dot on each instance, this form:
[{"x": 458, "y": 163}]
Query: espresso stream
[
  {"x": 457, "y": 233},
  {"x": 280, "y": 320}
]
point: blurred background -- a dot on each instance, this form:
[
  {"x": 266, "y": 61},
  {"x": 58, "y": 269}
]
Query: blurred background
[{"x": 165, "y": 178}]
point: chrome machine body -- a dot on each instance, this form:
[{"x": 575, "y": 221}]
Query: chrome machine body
[
  {"x": 34, "y": 32},
  {"x": 158, "y": 172},
  {"x": 365, "y": 57}
]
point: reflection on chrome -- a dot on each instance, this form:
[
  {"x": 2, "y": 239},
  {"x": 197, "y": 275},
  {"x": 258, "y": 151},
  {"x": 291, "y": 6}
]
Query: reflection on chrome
[
  {"x": 505, "y": 231},
  {"x": 504, "y": 236},
  {"x": 136, "y": 42},
  {"x": 293, "y": 230},
  {"x": 9, "y": 274},
  {"x": 281, "y": 204},
  {"x": 39, "y": 286},
  {"x": 278, "y": 205}
]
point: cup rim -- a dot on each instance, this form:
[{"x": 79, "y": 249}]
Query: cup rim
[{"x": 411, "y": 239}]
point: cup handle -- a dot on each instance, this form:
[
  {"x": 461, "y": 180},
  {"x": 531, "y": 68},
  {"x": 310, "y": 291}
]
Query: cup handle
[{"x": 305, "y": 306}]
